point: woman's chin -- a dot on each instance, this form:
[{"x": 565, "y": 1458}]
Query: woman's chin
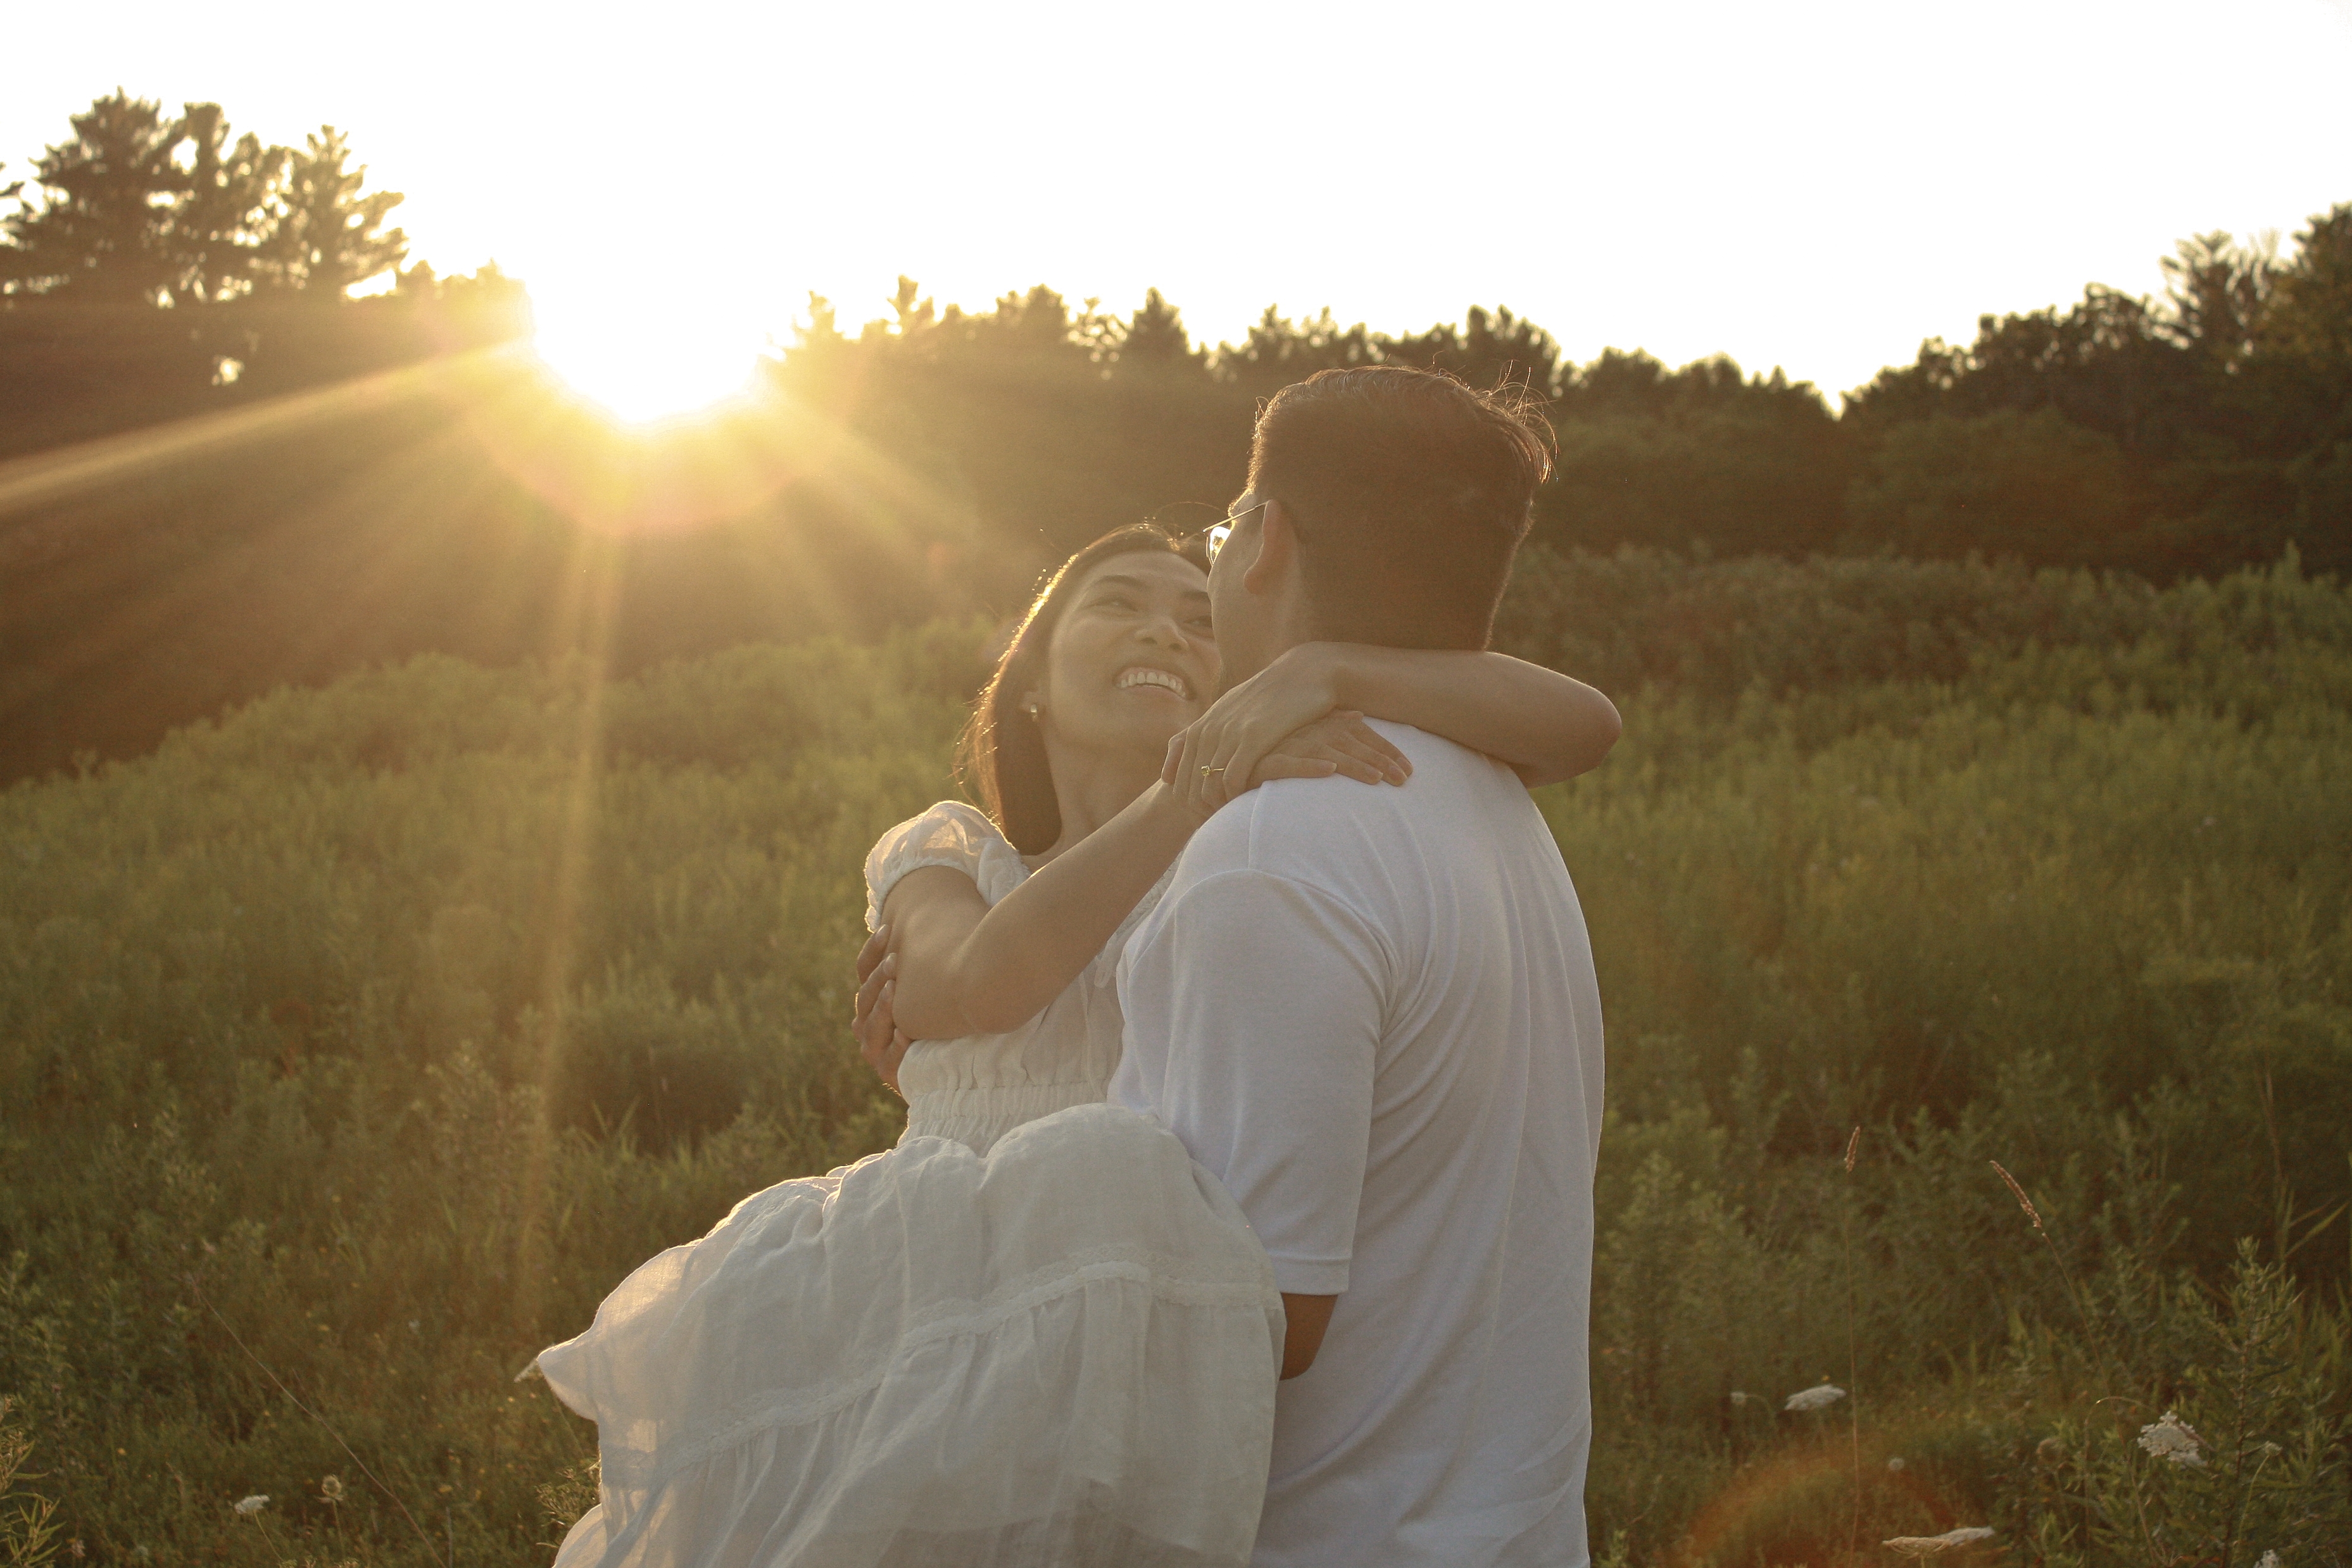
[
  {"x": 1156, "y": 738},
  {"x": 1153, "y": 734},
  {"x": 1145, "y": 733}
]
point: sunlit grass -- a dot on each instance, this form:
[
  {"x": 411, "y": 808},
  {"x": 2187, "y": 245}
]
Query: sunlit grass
[{"x": 401, "y": 1020}]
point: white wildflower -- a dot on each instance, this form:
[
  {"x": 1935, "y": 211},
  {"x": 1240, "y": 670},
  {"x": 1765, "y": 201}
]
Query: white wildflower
[
  {"x": 1739, "y": 1397},
  {"x": 2267, "y": 1560},
  {"x": 332, "y": 1489},
  {"x": 253, "y": 1504},
  {"x": 1818, "y": 1397},
  {"x": 2174, "y": 1440},
  {"x": 1929, "y": 1546},
  {"x": 1896, "y": 1464}
]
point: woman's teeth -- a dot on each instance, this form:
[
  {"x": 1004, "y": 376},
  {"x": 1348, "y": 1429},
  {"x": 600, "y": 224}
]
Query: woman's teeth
[{"x": 1143, "y": 675}]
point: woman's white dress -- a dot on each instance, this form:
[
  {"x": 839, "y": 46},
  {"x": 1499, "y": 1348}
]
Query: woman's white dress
[{"x": 1035, "y": 1332}]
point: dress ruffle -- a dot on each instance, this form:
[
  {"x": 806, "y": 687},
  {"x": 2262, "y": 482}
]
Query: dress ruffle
[{"x": 1062, "y": 1352}]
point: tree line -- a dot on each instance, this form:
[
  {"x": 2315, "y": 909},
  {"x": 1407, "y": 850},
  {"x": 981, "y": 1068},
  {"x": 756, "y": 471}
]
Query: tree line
[
  {"x": 2205, "y": 428},
  {"x": 932, "y": 459},
  {"x": 138, "y": 207},
  {"x": 154, "y": 265},
  {"x": 2185, "y": 434}
]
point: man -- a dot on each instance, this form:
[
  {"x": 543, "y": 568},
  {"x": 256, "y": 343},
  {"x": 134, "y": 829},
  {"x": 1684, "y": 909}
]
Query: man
[{"x": 1371, "y": 1015}]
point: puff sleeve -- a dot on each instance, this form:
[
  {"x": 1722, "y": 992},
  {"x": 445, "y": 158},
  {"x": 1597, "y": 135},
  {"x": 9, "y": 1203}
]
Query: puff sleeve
[{"x": 953, "y": 834}]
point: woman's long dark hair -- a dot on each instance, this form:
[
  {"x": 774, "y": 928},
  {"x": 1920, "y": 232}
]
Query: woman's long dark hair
[{"x": 1001, "y": 756}]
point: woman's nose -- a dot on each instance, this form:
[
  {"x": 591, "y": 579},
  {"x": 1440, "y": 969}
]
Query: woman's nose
[{"x": 1164, "y": 630}]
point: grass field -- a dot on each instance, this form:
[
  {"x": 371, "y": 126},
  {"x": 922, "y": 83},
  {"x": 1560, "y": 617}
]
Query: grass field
[{"x": 353, "y": 1047}]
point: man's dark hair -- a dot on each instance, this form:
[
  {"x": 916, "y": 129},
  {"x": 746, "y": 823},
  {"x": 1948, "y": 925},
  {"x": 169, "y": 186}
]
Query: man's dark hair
[{"x": 1410, "y": 493}]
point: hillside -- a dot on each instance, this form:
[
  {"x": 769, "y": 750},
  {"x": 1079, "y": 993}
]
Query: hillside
[{"x": 351, "y": 1047}]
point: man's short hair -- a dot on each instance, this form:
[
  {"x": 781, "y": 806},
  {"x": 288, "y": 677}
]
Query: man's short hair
[{"x": 1410, "y": 494}]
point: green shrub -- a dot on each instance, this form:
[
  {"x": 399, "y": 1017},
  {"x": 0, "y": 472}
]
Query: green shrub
[
  {"x": 29, "y": 1532},
  {"x": 2205, "y": 1425},
  {"x": 353, "y": 1046}
]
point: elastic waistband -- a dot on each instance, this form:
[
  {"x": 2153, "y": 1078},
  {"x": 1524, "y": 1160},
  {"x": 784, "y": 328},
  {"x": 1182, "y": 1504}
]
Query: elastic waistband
[{"x": 978, "y": 1117}]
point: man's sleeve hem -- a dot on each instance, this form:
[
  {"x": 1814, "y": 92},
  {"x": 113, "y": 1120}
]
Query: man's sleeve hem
[{"x": 1295, "y": 1277}]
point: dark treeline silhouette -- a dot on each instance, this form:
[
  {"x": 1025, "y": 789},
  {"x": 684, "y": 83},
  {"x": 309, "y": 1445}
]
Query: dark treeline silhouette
[
  {"x": 153, "y": 269},
  {"x": 372, "y": 478},
  {"x": 1043, "y": 419},
  {"x": 2182, "y": 435}
]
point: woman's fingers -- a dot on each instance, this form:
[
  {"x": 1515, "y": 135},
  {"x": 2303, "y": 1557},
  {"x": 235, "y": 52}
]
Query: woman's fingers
[
  {"x": 1178, "y": 773},
  {"x": 1237, "y": 750},
  {"x": 1223, "y": 758},
  {"x": 1367, "y": 741},
  {"x": 1234, "y": 766},
  {"x": 896, "y": 1054},
  {"x": 1379, "y": 766},
  {"x": 892, "y": 1039},
  {"x": 879, "y": 1040},
  {"x": 1207, "y": 783},
  {"x": 871, "y": 953},
  {"x": 871, "y": 1040},
  {"x": 885, "y": 1022},
  {"x": 1198, "y": 784},
  {"x": 867, "y": 993},
  {"x": 1289, "y": 765},
  {"x": 1317, "y": 756},
  {"x": 1357, "y": 765},
  {"x": 1339, "y": 742}
]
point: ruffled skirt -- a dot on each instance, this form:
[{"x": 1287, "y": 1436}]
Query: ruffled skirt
[{"x": 1064, "y": 1353}]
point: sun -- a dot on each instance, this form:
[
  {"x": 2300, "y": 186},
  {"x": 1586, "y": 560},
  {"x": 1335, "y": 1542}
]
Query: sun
[{"x": 649, "y": 363}]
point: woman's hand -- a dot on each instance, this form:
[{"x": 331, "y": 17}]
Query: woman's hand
[
  {"x": 1339, "y": 742},
  {"x": 873, "y": 1019},
  {"x": 1282, "y": 723}
]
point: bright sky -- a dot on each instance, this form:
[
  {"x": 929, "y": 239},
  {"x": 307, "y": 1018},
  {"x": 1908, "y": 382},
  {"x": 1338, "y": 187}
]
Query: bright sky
[{"x": 1817, "y": 185}]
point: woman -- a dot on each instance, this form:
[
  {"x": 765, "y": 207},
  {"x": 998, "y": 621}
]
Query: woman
[{"x": 1034, "y": 1331}]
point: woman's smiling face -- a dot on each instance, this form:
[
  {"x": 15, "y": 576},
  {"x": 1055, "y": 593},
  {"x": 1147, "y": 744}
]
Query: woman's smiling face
[{"x": 1133, "y": 659}]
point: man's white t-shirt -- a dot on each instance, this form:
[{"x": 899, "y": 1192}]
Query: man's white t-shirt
[{"x": 1370, "y": 1012}]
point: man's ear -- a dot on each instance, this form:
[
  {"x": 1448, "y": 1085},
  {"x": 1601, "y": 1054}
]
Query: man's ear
[{"x": 1278, "y": 549}]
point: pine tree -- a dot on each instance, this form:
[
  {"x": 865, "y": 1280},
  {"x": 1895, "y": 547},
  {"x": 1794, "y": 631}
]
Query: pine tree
[
  {"x": 328, "y": 237},
  {"x": 1155, "y": 335},
  {"x": 104, "y": 231},
  {"x": 216, "y": 228}
]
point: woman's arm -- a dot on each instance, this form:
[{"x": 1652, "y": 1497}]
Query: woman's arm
[
  {"x": 957, "y": 966},
  {"x": 1546, "y": 726}
]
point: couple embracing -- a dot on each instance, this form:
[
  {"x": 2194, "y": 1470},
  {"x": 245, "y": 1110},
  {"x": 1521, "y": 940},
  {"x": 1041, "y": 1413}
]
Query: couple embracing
[{"x": 1252, "y": 1055}]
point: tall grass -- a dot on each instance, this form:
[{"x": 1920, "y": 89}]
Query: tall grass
[{"x": 353, "y": 1047}]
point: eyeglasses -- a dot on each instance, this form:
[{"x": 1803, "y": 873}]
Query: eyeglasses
[{"x": 1219, "y": 533}]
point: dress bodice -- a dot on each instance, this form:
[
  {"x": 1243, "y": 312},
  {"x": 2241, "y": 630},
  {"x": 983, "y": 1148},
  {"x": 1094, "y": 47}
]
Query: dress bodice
[{"x": 977, "y": 1088}]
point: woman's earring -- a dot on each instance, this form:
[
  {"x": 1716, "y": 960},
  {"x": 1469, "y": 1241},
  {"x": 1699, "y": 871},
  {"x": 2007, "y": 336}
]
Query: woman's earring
[{"x": 1031, "y": 710}]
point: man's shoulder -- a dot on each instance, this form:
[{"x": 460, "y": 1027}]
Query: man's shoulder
[
  {"x": 1447, "y": 779},
  {"x": 1308, "y": 830}
]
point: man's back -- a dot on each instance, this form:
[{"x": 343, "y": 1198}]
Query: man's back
[{"x": 1370, "y": 1012}]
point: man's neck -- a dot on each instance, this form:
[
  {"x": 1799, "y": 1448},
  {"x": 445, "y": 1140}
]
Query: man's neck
[{"x": 1241, "y": 664}]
